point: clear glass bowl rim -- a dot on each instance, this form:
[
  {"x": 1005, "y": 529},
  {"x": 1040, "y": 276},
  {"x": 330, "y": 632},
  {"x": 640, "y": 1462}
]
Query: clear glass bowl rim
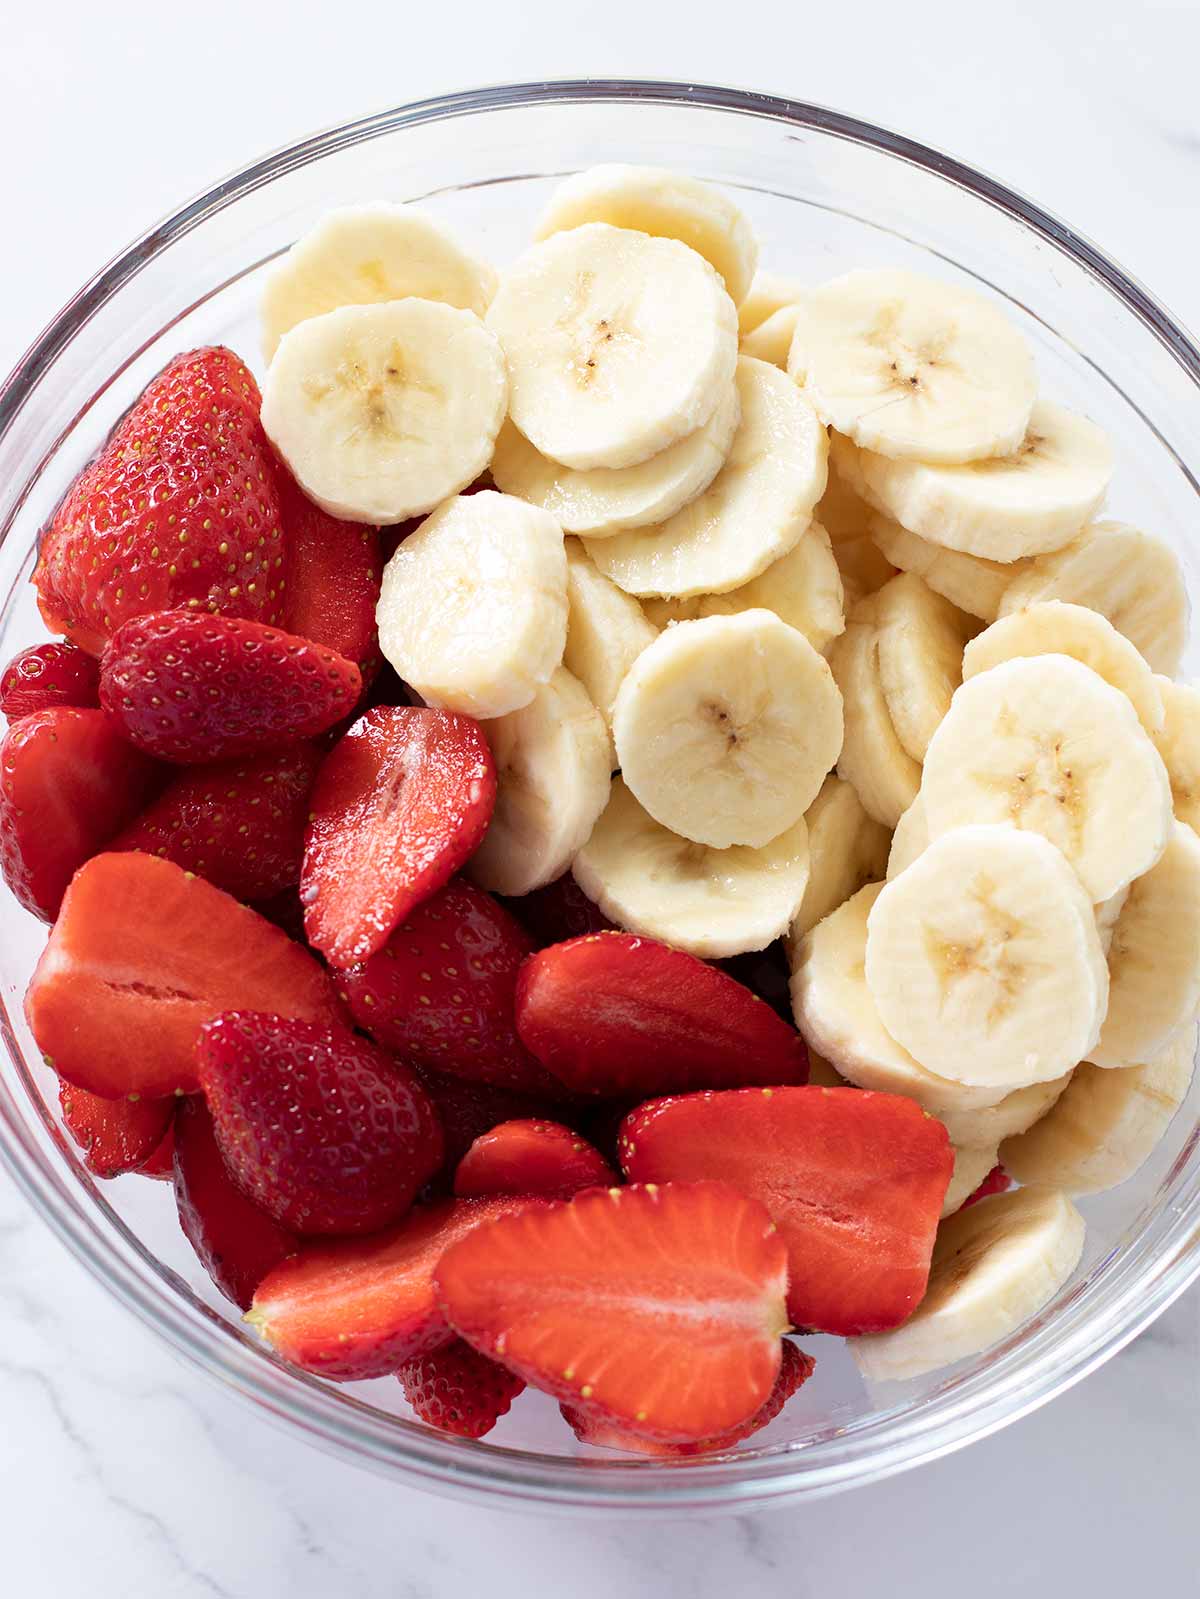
[{"x": 1169, "y": 1248}]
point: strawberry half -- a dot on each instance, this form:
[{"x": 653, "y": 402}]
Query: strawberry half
[
  {"x": 239, "y": 823},
  {"x": 334, "y": 572},
  {"x": 116, "y": 1135},
  {"x": 854, "y": 1181},
  {"x": 458, "y": 1390},
  {"x": 236, "y": 1242},
  {"x": 68, "y": 782},
  {"x": 659, "y": 1308},
  {"x": 141, "y": 955},
  {"x": 997, "y": 1181},
  {"x": 467, "y": 1110},
  {"x": 320, "y": 1128},
  {"x": 616, "y": 1015},
  {"x": 362, "y": 1307},
  {"x": 192, "y": 688},
  {"x": 180, "y": 508},
  {"x": 161, "y": 1164},
  {"x": 441, "y": 991},
  {"x": 531, "y": 1157},
  {"x": 46, "y": 675},
  {"x": 400, "y": 803}
]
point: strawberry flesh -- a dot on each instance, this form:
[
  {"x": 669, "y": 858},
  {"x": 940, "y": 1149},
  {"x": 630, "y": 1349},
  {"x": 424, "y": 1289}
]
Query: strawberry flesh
[
  {"x": 531, "y": 1157},
  {"x": 334, "y": 572},
  {"x": 115, "y": 1135},
  {"x": 458, "y": 1390},
  {"x": 161, "y": 1163},
  {"x": 46, "y": 675},
  {"x": 997, "y": 1181}
]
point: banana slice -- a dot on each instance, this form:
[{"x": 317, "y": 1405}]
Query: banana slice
[
  {"x": 863, "y": 566},
  {"x": 552, "y": 762},
  {"x": 473, "y": 608},
  {"x": 910, "y": 839},
  {"x": 984, "y": 961},
  {"x": 755, "y": 510},
  {"x": 1044, "y": 744},
  {"x": 1018, "y": 504},
  {"x": 920, "y": 638},
  {"x": 971, "y": 1166},
  {"x": 768, "y": 293},
  {"x": 873, "y": 760},
  {"x": 973, "y": 584},
  {"x": 618, "y": 344},
  {"x": 726, "y": 727},
  {"x": 970, "y": 1128},
  {"x": 710, "y": 902},
  {"x": 772, "y": 340},
  {"x": 994, "y": 1266},
  {"x": 1132, "y": 578},
  {"x": 803, "y": 588},
  {"x": 1154, "y": 957},
  {"x": 914, "y": 368},
  {"x": 384, "y": 411},
  {"x": 367, "y": 254},
  {"x": 1106, "y": 1124},
  {"x": 609, "y": 500},
  {"x": 606, "y": 631},
  {"x": 847, "y": 849},
  {"x": 665, "y": 204},
  {"x": 1053, "y": 627},
  {"x": 1107, "y": 913},
  {"x": 835, "y": 1012},
  {"x": 842, "y": 508},
  {"x": 1178, "y": 742}
]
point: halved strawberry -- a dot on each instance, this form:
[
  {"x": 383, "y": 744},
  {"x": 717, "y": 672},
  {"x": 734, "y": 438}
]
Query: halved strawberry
[
  {"x": 319, "y": 1127},
  {"x": 238, "y": 823},
  {"x": 613, "y": 1014},
  {"x": 334, "y": 569},
  {"x": 362, "y": 1307},
  {"x": 193, "y": 688},
  {"x": 441, "y": 991},
  {"x": 531, "y": 1157},
  {"x": 997, "y": 1181},
  {"x": 466, "y": 1110},
  {"x": 161, "y": 1163},
  {"x": 68, "y": 782},
  {"x": 116, "y": 1135},
  {"x": 236, "y": 1242},
  {"x": 458, "y": 1390},
  {"x": 557, "y": 912},
  {"x": 854, "y": 1181},
  {"x": 794, "y": 1371},
  {"x": 45, "y": 675},
  {"x": 141, "y": 954},
  {"x": 661, "y": 1308},
  {"x": 400, "y": 803}
]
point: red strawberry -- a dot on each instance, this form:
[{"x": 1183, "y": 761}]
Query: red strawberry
[
  {"x": 458, "y": 1390},
  {"x": 193, "y": 688},
  {"x": 440, "y": 992},
  {"x": 400, "y": 803},
  {"x": 322, "y": 1130},
  {"x": 530, "y": 1157},
  {"x": 854, "y": 1181},
  {"x": 334, "y": 570},
  {"x": 467, "y": 1110},
  {"x": 239, "y": 823},
  {"x": 557, "y": 912},
  {"x": 46, "y": 675},
  {"x": 116, "y": 1135},
  {"x": 142, "y": 954},
  {"x": 180, "y": 508},
  {"x": 237, "y": 1243},
  {"x": 997, "y": 1181},
  {"x": 660, "y": 1308},
  {"x": 794, "y": 1372},
  {"x": 362, "y": 1307},
  {"x": 68, "y": 782},
  {"x": 161, "y": 1164},
  {"x": 613, "y": 1014}
]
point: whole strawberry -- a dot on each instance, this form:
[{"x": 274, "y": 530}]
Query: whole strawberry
[
  {"x": 180, "y": 508},
  {"x": 459, "y": 1390},
  {"x": 46, "y": 675}
]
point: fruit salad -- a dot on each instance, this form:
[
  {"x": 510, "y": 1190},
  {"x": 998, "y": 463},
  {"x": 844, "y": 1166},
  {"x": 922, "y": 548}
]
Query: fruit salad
[{"x": 617, "y": 813}]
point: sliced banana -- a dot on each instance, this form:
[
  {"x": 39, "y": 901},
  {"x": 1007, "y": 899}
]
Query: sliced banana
[
  {"x": 847, "y": 849},
  {"x": 1044, "y": 744},
  {"x": 1154, "y": 957},
  {"x": 973, "y": 584},
  {"x": 609, "y": 500},
  {"x": 726, "y": 727},
  {"x": 1107, "y": 913},
  {"x": 842, "y": 508},
  {"x": 984, "y": 1128},
  {"x": 913, "y": 367},
  {"x": 710, "y": 902},
  {"x": 668, "y": 205},
  {"x": 606, "y": 631},
  {"x": 1018, "y": 504},
  {"x": 552, "y": 765},
  {"x": 618, "y": 344},
  {"x": 994, "y": 1266},
  {"x": 367, "y": 254},
  {"x": 971, "y": 1166},
  {"x": 1178, "y": 742},
  {"x": 1053, "y": 627},
  {"x": 803, "y": 588},
  {"x": 1131, "y": 577},
  {"x": 383, "y": 411},
  {"x": 772, "y": 340},
  {"x": 473, "y": 608},
  {"x": 920, "y": 638},
  {"x": 768, "y": 293},
  {"x": 909, "y": 840},
  {"x": 873, "y": 760},
  {"x": 755, "y": 510},
  {"x": 984, "y": 961}
]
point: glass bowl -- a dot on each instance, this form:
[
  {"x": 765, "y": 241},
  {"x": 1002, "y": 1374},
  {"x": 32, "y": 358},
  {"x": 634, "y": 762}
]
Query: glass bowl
[{"x": 825, "y": 193}]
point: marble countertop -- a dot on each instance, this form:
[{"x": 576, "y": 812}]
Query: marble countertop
[{"x": 123, "y": 1473}]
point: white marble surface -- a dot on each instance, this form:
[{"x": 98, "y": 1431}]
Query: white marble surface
[{"x": 121, "y": 1472}]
